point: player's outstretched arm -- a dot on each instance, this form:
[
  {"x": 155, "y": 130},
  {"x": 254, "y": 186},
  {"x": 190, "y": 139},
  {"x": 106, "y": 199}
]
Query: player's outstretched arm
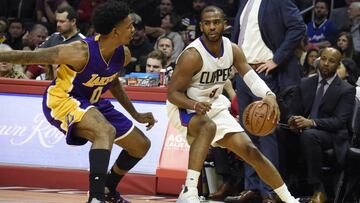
[{"x": 74, "y": 54}]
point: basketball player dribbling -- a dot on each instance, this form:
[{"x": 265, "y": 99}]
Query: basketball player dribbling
[
  {"x": 198, "y": 109},
  {"x": 72, "y": 102}
]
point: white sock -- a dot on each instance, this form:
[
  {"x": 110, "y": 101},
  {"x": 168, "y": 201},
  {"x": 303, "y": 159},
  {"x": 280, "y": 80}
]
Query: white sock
[
  {"x": 192, "y": 178},
  {"x": 284, "y": 194}
]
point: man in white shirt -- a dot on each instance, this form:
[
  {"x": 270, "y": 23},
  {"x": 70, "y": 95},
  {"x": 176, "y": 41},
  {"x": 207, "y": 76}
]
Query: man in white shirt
[{"x": 268, "y": 32}]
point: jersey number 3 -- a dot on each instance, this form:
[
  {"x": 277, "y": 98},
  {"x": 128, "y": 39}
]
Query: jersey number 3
[{"x": 212, "y": 94}]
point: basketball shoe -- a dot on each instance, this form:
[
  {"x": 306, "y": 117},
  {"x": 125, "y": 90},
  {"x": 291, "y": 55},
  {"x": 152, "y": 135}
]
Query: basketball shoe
[
  {"x": 188, "y": 195},
  {"x": 115, "y": 198}
]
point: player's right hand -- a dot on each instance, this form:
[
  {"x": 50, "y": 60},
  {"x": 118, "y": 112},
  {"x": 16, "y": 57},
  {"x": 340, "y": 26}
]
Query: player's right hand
[
  {"x": 202, "y": 107},
  {"x": 146, "y": 118}
]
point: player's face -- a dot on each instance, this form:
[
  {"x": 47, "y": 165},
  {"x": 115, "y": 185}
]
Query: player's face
[
  {"x": 329, "y": 62},
  {"x": 212, "y": 25},
  {"x": 125, "y": 30}
]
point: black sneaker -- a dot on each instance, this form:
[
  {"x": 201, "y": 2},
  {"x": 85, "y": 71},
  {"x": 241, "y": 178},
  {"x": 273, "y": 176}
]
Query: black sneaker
[{"x": 115, "y": 198}]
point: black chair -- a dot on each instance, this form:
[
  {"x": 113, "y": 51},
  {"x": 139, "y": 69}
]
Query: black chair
[{"x": 350, "y": 176}]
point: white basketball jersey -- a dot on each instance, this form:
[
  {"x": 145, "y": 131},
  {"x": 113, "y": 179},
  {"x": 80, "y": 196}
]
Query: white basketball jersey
[{"x": 208, "y": 84}]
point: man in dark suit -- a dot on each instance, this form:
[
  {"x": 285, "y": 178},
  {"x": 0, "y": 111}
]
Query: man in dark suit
[
  {"x": 321, "y": 107},
  {"x": 268, "y": 32}
]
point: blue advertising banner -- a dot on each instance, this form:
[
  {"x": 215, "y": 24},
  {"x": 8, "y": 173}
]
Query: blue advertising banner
[{"x": 26, "y": 138}]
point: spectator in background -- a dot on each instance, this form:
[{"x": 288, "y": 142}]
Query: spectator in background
[
  {"x": 16, "y": 30},
  {"x": 171, "y": 23},
  {"x": 155, "y": 61},
  {"x": 33, "y": 39},
  {"x": 139, "y": 46},
  {"x": 45, "y": 9},
  {"x": 66, "y": 18},
  {"x": 354, "y": 16},
  {"x": 191, "y": 21},
  {"x": 153, "y": 22},
  {"x": 166, "y": 45},
  {"x": 340, "y": 17},
  {"x": 36, "y": 36},
  {"x": 344, "y": 44},
  {"x": 66, "y": 23},
  {"x": 321, "y": 32},
  {"x": 7, "y": 70},
  {"x": 309, "y": 68},
  {"x": 349, "y": 72},
  {"x": 269, "y": 31}
]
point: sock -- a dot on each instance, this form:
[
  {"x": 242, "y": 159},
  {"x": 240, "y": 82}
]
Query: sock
[
  {"x": 192, "y": 178},
  {"x": 112, "y": 180},
  {"x": 99, "y": 162},
  {"x": 284, "y": 194}
]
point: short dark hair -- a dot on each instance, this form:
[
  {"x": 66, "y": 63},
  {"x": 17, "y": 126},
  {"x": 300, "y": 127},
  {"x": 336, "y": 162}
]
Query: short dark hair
[
  {"x": 72, "y": 14},
  {"x": 323, "y": 1},
  {"x": 212, "y": 9},
  {"x": 16, "y": 20},
  {"x": 107, "y": 15}
]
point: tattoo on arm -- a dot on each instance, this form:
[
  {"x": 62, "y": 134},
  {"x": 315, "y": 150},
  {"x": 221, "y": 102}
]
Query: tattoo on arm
[{"x": 40, "y": 56}]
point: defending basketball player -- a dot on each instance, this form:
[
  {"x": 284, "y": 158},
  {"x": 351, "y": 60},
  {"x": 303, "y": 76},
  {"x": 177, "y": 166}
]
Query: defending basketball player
[
  {"x": 198, "y": 109},
  {"x": 72, "y": 102}
]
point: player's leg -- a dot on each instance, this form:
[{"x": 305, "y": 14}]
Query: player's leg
[
  {"x": 241, "y": 144},
  {"x": 94, "y": 127},
  {"x": 201, "y": 132},
  {"x": 135, "y": 146}
]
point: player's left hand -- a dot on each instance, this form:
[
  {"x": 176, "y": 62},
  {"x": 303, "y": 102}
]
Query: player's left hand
[
  {"x": 267, "y": 67},
  {"x": 274, "y": 107},
  {"x": 146, "y": 118}
]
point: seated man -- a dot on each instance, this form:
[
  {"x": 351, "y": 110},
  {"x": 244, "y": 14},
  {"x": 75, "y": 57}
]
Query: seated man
[{"x": 321, "y": 107}]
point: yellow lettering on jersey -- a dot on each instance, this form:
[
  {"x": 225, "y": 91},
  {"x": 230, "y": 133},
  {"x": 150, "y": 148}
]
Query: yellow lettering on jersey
[{"x": 96, "y": 80}]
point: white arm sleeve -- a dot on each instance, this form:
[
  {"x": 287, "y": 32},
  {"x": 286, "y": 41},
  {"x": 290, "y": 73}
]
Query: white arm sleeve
[{"x": 257, "y": 86}]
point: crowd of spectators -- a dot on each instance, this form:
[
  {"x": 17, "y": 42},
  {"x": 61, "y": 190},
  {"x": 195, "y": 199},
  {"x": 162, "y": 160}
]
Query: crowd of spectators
[{"x": 163, "y": 28}]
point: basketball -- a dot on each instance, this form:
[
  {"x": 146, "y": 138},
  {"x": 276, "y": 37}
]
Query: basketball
[{"x": 255, "y": 119}]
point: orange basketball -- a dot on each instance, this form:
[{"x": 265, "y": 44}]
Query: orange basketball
[{"x": 255, "y": 119}]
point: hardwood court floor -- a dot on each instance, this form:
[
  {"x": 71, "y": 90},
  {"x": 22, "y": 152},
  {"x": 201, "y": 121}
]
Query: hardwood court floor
[{"x": 43, "y": 195}]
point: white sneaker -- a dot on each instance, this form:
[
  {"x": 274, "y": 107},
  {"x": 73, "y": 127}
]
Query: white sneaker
[{"x": 188, "y": 195}]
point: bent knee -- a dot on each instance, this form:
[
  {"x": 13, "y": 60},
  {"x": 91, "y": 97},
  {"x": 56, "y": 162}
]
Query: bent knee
[
  {"x": 145, "y": 145},
  {"x": 105, "y": 134}
]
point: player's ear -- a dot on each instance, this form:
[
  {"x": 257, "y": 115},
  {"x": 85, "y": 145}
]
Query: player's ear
[{"x": 201, "y": 29}]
